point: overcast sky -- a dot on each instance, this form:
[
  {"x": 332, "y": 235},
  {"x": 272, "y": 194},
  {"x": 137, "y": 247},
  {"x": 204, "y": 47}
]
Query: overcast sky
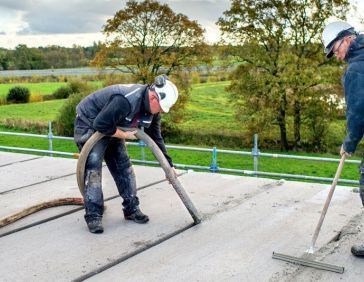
[{"x": 67, "y": 22}]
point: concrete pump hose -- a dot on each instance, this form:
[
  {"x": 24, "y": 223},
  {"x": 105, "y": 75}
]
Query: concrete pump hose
[
  {"x": 38, "y": 207},
  {"x": 81, "y": 164}
]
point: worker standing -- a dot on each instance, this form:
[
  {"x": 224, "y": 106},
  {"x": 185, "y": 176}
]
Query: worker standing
[{"x": 341, "y": 39}]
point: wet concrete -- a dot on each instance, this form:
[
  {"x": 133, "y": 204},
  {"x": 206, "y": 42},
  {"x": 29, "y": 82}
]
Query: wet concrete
[
  {"x": 245, "y": 220},
  {"x": 336, "y": 252}
]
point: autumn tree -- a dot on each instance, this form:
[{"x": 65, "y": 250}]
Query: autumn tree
[
  {"x": 280, "y": 55},
  {"x": 147, "y": 38}
]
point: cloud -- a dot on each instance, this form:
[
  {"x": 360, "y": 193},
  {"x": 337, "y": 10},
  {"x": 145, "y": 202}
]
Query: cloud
[
  {"x": 38, "y": 22},
  {"x": 200, "y": 10},
  {"x": 14, "y": 5},
  {"x": 84, "y": 16},
  {"x": 66, "y": 16}
]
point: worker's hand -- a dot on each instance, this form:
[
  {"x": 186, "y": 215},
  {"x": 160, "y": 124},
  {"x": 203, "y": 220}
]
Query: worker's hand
[
  {"x": 343, "y": 152},
  {"x": 130, "y": 135},
  {"x": 125, "y": 134},
  {"x": 174, "y": 172}
]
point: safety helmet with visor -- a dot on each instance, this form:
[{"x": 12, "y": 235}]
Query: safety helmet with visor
[{"x": 333, "y": 32}]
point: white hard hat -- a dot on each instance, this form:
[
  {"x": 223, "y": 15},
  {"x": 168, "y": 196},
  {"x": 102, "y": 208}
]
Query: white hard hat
[
  {"x": 333, "y": 32},
  {"x": 168, "y": 95}
]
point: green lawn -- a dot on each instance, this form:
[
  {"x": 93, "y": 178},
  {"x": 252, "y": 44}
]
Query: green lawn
[
  {"x": 43, "y": 88},
  {"x": 209, "y": 108},
  {"x": 41, "y": 111}
]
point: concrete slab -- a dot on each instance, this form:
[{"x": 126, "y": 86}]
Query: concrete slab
[
  {"x": 25, "y": 174},
  {"x": 63, "y": 187},
  {"x": 246, "y": 219},
  {"x": 236, "y": 245},
  {"x": 11, "y": 158},
  {"x": 159, "y": 201},
  {"x": 63, "y": 249},
  {"x": 336, "y": 252}
]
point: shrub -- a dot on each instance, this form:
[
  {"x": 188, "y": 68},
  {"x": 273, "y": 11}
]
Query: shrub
[
  {"x": 62, "y": 92},
  {"x": 195, "y": 77},
  {"x": 18, "y": 94},
  {"x": 77, "y": 86},
  {"x": 117, "y": 79},
  {"x": 35, "y": 98},
  {"x": 64, "y": 123},
  {"x": 65, "y": 119},
  {"x": 203, "y": 78}
]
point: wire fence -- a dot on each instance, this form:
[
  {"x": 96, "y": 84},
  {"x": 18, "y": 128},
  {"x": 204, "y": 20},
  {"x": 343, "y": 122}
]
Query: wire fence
[{"x": 213, "y": 167}]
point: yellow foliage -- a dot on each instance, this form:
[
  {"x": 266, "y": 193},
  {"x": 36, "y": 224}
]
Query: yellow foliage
[{"x": 35, "y": 98}]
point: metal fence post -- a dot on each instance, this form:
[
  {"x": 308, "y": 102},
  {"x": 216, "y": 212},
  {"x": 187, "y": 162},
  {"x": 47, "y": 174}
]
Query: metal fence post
[
  {"x": 214, "y": 166},
  {"x": 255, "y": 154},
  {"x": 142, "y": 145},
  {"x": 50, "y": 138}
]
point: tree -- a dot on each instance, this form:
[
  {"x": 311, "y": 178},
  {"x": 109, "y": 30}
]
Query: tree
[
  {"x": 148, "y": 38},
  {"x": 4, "y": 59},
  {"x": 279, "y": 51},
  {"x": 28, "y": 58}
]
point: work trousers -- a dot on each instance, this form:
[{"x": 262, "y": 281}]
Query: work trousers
[
  {"x": 361, "y": 181},
  {"x": 114, "y": 152}
]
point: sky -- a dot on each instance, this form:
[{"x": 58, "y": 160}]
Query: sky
[{"x": 67, "y": 22}]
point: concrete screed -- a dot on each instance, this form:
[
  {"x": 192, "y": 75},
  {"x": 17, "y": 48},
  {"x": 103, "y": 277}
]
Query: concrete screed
[{"x": 245, "y": 220}]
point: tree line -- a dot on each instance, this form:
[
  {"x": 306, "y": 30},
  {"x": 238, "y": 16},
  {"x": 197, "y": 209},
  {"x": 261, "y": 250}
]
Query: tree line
[{"x": 26, "y": 58}]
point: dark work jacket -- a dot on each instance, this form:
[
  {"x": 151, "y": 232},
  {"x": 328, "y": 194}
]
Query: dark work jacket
[
  {"x": 353, "y": 82},
  {"x": 121, "y": 106}
]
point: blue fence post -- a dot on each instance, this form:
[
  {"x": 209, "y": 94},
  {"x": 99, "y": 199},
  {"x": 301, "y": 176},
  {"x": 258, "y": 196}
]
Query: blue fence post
[
  {"x": 142, "y": 145},
  {"x": 255, "y": 154},
  {"x": 214, "y": 166},
  {"x": 50, "y": 138}
]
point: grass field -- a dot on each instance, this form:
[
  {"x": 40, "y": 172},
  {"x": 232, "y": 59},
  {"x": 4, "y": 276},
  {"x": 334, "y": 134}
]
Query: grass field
[
  {"x": 43, "y": 88},
  {"x": 208, "y": 109},
  {"x": 41, "y": 111}
]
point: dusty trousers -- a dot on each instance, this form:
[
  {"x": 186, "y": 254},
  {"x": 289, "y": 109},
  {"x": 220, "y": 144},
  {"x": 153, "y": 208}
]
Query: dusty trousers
[
  {"x": 114, "y": 152},
  {"x": 361, "y": 181}
]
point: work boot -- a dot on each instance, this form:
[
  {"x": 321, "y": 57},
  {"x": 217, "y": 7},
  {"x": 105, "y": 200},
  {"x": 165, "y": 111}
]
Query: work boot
[
  {"x": 358, "y": 250},
  {"x": 95, "y": 226},
  {"x": 136, "y": 215}
]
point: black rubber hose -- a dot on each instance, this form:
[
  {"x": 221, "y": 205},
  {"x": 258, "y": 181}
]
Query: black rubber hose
[{"x": 81, "y": 164}]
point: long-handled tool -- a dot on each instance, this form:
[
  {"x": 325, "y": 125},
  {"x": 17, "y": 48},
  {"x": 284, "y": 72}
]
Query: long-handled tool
[
  {"x": 156, "y": 152},
  {"x": 311, "y": 250}
]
